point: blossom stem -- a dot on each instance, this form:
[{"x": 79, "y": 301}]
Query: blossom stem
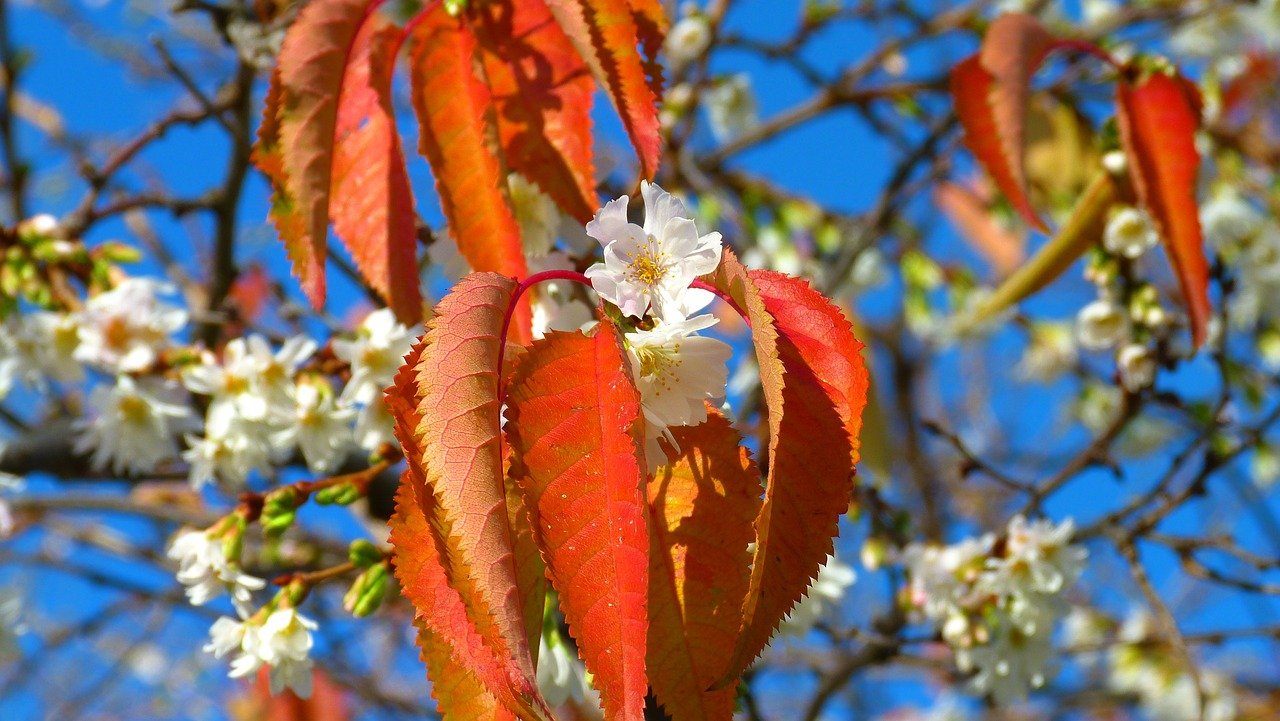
[
  {"x": 1088, "y": 48},
  {"x": 526, "y": 284}
]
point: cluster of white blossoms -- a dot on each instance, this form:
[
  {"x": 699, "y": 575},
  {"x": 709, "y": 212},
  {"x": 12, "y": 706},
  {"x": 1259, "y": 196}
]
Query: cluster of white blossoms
[
  {"x": 648, "y": 273},
  {"x": 1140, "y": 664},
  {"x": 996, "y": 601},
  {"x": 279, "y": 639},
  {"x": 205, "y": 570},
  {"x": 263, "y": 406},
  {"x": 1115, "y": 321}
]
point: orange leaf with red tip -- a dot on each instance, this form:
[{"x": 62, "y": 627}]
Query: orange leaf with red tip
[
  {"x": 815, "y": 387},
  {"x": 990, "y": 90},
  {"x": 372, "y": 205},
  {"x": 607, "y": 37},
  {"x": 542, "y": 93},
  {"x": 573, "y": 418},
  {"x": 328, "y": 145},
  {"x": 452, "y": 106},
  {"x": 700, "y": 507},
  {"x": 1158, "y": 117}
]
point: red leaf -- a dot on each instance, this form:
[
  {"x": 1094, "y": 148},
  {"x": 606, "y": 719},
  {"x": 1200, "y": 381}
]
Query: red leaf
[
  {"x": 652, "y": 25},
  {"x": 815, "y": 387},
  {"x": 372, "y": 205},
  {"x": 606, "y": 35},
  {"x": 1158, "y": 118},
  {"x": 542, "y": 93},
  {"x": 452, "y": 106},
  {"x": 991, "y": 89},
  {"x": 573, "y": 418},
  {"x": 700, "y": 508}
]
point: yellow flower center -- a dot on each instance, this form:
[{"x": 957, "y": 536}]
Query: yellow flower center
[
  {"x": 648, "y": 266},
  {"x": 134, "y": 410},
  {"x": 660, "y": 363}
]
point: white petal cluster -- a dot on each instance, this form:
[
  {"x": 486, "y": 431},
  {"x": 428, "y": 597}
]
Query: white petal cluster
[
  {"x": 1137, "y": 365},
  {"x": 134, "y": 425},
  {"x": 319, "y": 427},
  {"x": 557, "y": 305},
  {"x": 253, "y": 402},
  {"x": 731, "y": 107},
  {"x": 648, "y": 272},
  {"x": 1102, "y": 324},
  {"x": 205, "y": 570},
  {"x": 996, "y": 601},
  {"x": 282, "y": 642},
  {"x": 676, "y": 373},
  {"x": 652, "y": 266},
  {"x": 1129, "y": 233},
  {"x": 1051, "y": 353},
  {"x": 536, "y": 214},
  {"x": 124, "y": 329},
  {"x": 561, "y": 675},
  {"x": 1143, "y": 665},
  {"x": 828, "y": 588},
  {"x": 38, "y": 347},
  {"x": 375, "y": 353},
  {"x": 687, "y": 40}
]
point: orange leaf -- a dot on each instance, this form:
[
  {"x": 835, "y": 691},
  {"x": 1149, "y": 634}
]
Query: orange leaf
[
  {"x": 1004, "y": 250},
  {"x": 991, "y": 90},
  {"x": 1158, "y": 117},
  {"x": 313, "y": 59},
  {"x": 652, "y": 25},
  {"x": 815, "y": 387},
  {"x": 372, "y": 205},
  {"x": 285, "y": 213},
  {"x": 542, "y": 93},
  {"x": 328, "y": 145},
  {"x": 452, "y": 105},
  {"x": 463, "y": 459},
  {"x": 606, "y": 35},
  {"x": 573, "y": 417},
  {"x": 700, "y": 508},
  {"x": 455, "y": 655}
]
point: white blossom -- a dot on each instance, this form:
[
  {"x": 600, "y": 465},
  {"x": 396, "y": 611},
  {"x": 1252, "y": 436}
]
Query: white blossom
[
  {"x": 555, "y": 304},
  {"x": 445, "y": 255},
  {"x": 39, "y": 346},
  {"x": 1129, "y": 233},
  {"x": 1101, "y": 324},
  {"x": 654, "y": 264},
  {"x": 252, "y": 383},
  {"x": 536, "y": 214},
  {"x": 677, "y": 373},
  {"x": 828, "y": 587},
  {"x": 374, "y": 426},
  {"x": 1051, "y": 353},
  {"x": 996, "y": 604},
  {"x": 561, "y": 675},
  {"x": 226, "y": 635},
  {"x": 227, "y": 454},
  {"x": 124, "y": 329},
  {"x": 284, "y": 643},
  {"x": 1137, "y": 366},
  {"x": 375, "y": 353},
  {"x": 319, "y": 428},
  {"x": 731, "y": 107},
  {"x": 1229, "y": 221},
  {"x": 134, "y": 425},
  {"x": 207, "y": 573},
  {"x": 687, "y": 40}
]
